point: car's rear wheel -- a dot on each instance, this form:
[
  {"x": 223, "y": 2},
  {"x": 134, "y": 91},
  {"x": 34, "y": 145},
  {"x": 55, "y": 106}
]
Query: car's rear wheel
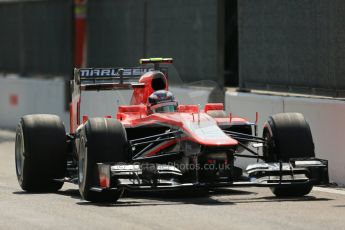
[
  {"x": 288, "y": 135},
  {"x": 40, "y": 153},
  {"x": 102, "y": 140}
]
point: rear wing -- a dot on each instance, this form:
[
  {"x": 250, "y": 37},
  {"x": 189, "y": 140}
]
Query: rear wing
[
  {"x": 97, "y": 79},
  {"x": 110, "y": 78},
  {"x": 115, "y": 78}
]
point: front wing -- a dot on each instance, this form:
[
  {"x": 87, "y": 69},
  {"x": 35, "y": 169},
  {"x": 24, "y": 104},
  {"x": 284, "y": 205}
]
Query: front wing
[{"x": 165, "y": 177}]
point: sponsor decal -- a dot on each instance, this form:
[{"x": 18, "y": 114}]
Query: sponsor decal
[
  {"x": 13, "y": 99},
  {"x": 112, "y": 72},
  {"x": 172, "y": 166}
]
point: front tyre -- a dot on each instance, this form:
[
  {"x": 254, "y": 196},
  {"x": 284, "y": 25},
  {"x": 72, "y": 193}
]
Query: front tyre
[
  {"x": 288, "y": 135},
  {"x": 102, "y": 140}
]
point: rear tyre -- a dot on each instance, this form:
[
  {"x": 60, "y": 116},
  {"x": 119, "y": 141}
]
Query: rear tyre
[
  {"x": 40, "y": 153},
  {"x": 288, "y": 135},
  {"x": 102, "y": 140}
]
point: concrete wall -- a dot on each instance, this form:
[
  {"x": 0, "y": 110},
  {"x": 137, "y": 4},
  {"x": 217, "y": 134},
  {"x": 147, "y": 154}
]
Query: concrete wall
[
  {"x": 326, "y": 119},
  {"x": 20, "y": 96}
]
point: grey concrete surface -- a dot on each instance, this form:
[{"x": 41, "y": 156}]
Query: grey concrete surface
[{"x": 247, "y": 208}]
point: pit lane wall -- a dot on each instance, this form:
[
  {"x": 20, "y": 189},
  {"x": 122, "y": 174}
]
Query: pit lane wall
[
  {"x": 326, "y": 119},
  {"x": 20, "y": 96}
]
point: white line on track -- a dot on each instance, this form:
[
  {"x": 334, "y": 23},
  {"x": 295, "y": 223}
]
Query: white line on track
[{"x": 330, "y": 190}]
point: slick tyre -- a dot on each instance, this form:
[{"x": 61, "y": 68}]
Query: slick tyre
[
  {"x": 40, "y": 153},
  {"x": 102, "y": 140},
  {"x": 288, "y": 135}
]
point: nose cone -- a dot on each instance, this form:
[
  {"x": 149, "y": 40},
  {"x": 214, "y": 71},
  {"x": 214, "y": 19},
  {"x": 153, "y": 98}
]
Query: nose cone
[
  {"x": 207, "y": 132},
  {"x": 203, "y": 129}
]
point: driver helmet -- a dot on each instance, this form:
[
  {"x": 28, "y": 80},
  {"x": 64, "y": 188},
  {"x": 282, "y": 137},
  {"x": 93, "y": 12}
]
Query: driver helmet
[{"x": 162, "y": 101}]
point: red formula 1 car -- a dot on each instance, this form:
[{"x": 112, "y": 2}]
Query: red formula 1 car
[{"x": 156, "y": 144}]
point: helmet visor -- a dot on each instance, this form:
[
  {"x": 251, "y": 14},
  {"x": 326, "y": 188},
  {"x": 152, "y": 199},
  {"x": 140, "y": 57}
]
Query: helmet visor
[{"x": 165, "y": 107}]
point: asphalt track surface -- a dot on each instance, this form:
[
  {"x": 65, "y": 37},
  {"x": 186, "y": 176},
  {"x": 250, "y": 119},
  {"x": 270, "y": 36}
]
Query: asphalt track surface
[{"x": 246, "y": 208}]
